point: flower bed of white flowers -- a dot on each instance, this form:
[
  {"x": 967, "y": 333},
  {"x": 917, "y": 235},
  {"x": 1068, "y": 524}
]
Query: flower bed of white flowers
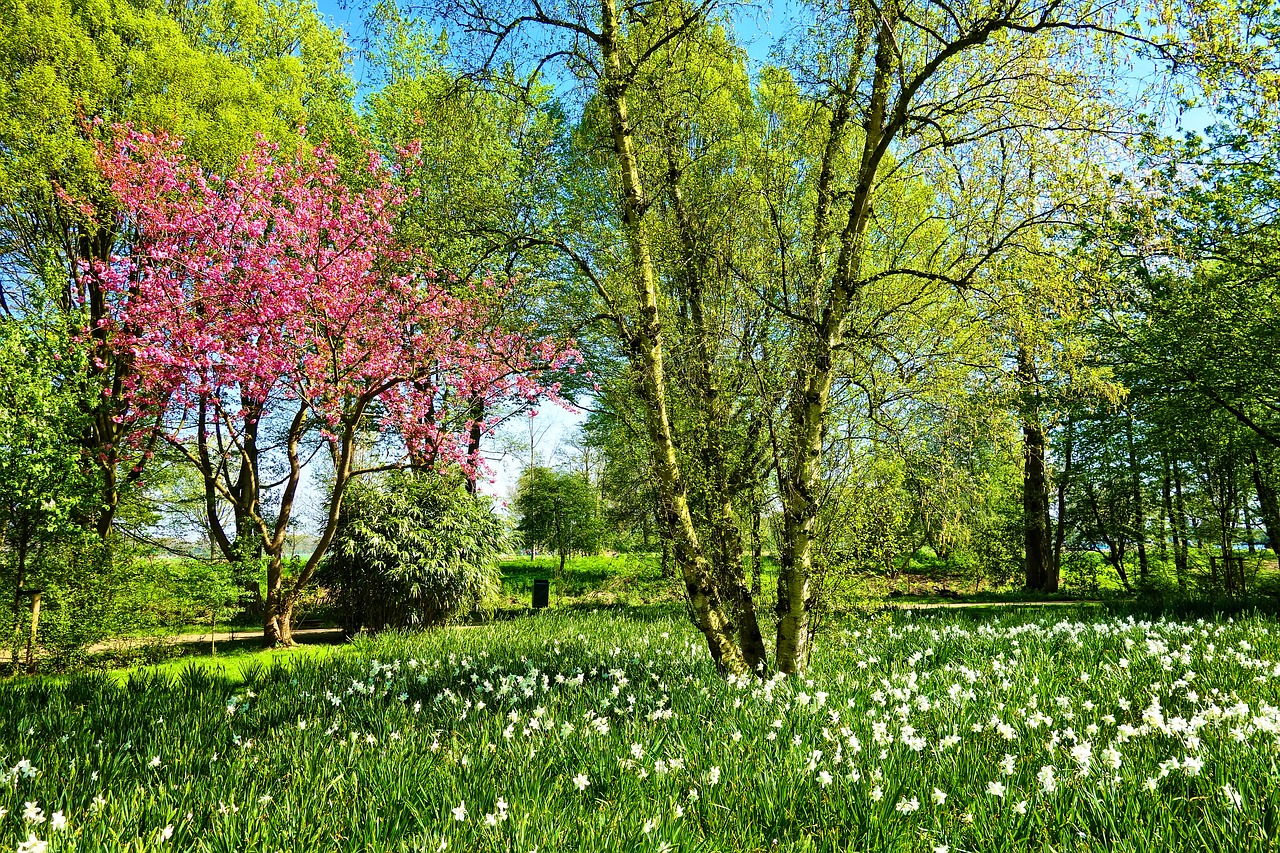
[{"x": 611, "y": 731}]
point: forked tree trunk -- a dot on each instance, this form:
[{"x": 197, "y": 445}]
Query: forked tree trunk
[
  {"x": 809, "y": 404},
  {"x": 645, "y": 353},
  {"x": 724, "y": 535}
]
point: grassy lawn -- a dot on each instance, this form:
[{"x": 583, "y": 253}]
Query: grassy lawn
[
  {"x": 609, "y": 730},
  {"x": 624, "y": 579}
]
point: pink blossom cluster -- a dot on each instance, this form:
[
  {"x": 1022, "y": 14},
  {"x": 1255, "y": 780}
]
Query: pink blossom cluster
[{"x": 282, "y": 285}]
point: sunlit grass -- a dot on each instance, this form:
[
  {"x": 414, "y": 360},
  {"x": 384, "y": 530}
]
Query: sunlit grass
[{"x": 610, "y": 730}]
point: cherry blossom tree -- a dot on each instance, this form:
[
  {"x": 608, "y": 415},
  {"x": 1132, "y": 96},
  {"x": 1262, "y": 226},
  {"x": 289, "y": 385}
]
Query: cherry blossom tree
[{"x": 269, "y": 315}]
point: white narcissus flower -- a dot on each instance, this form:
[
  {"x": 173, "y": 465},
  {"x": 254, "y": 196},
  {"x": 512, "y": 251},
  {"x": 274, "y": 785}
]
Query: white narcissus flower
[
  {"x": 996, "y": 789},
  {"x": 165, "y": 834},
  {"x": 1233, "y": 797},
  {"x": 1048, "y": 781},
  {"x": 824, "y": 778},
  {"x": 57, "y": 821},
  {"x": 32, "y": 813},
  {"x": 939, "y": 796},
  {"x": 33, "y": 845},
  {"x": 581, "y": 781},
  {"x": 460, "y": 813}
]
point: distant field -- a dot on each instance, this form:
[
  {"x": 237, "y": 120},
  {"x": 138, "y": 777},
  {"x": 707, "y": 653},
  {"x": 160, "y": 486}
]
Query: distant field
[{"x": 608, "y": 730}]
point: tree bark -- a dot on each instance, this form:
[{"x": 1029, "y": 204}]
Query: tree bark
[
  {"x": 1060, "y": 529},
  {"x": 1139, "y": 505},
  {"x": 645, "y": 353},
  {"x": 1035, "y": 481},
  {"x": 1264, "y": 482}
]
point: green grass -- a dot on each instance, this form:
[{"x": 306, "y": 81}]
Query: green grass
[
  {"x": 626, "y": 578},
  {"x": 373, "y": 747}
]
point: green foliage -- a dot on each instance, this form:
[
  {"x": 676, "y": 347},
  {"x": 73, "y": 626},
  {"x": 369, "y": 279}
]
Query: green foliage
[
  {"x": 558, "y": 512},
  {"x": 43, "y": 486},
  {"x": 412, "y": 549}
]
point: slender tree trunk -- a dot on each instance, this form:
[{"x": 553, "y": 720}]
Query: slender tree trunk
[
  {"x": 1166, "y": 503},
  {"x": 1139, "y": 505},
  {"x": 1181, "y": 545},
  {"x": 645, "y": 353},
  {"x": 1264, "y": 482},
  {"x": 809, "y": 403},
  {"x": 757, "y": 554},
  {"x": 1035, "y": 486},
  {"x": 1060, "y": 531},
  {"x": 1247, "y": 517},
  {"x": 473, "y": 440}
]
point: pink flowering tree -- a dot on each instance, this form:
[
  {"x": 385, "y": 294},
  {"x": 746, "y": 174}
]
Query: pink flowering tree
[{"x": 268, "y": 315}]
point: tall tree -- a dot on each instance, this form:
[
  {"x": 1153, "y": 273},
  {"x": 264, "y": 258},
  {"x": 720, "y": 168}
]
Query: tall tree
[{"x": 277, "y": 292}]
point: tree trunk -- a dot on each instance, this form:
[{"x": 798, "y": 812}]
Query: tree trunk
[
  {"x": 645, "y": 353},
  {"x": 757, "y": 555},
  {"x": 1139, "y": 505},
  {"x": 1181, "y": 545},
  {"x": 1060, "y": 531},
  {"x": 1246, "y": 515},
  {"x": 809, "y": 403},
  {"x": 1035, "y": 487},
  {"x": 1264, "y": 483},
  {"x": 473, "y": 440},
  {"x": 725, "y": 537},
  {"x": 1166, "y": 503},
  {"x": 276, "y": 630}
]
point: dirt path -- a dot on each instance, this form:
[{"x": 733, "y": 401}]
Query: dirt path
[
  {"x": 956, "y": 605},
  {"x": 302, "y": 635},
  {"x": 306, "y": 636}
]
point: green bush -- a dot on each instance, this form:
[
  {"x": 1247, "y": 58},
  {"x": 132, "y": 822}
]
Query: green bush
[{"x": 412, "y": 549}]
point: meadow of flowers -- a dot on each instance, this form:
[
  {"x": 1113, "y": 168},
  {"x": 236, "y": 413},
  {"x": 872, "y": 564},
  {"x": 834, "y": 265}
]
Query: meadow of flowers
[{"x": 611, "y": 731}]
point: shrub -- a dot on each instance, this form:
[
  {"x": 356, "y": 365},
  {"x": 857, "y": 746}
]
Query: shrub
[{"x": 413, "y": 549}]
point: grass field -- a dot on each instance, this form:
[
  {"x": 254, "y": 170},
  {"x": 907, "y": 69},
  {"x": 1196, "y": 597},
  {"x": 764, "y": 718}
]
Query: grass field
[{"x": 609, "y": 730}]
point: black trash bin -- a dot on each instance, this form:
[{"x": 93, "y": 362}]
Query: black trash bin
[{"x": 541, "y": 592}]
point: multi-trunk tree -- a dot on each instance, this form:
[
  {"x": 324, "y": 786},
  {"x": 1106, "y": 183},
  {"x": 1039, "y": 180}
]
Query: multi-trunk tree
[
  {"x": 880, "y": 97},
  {"x": 268, "y": 316}
]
